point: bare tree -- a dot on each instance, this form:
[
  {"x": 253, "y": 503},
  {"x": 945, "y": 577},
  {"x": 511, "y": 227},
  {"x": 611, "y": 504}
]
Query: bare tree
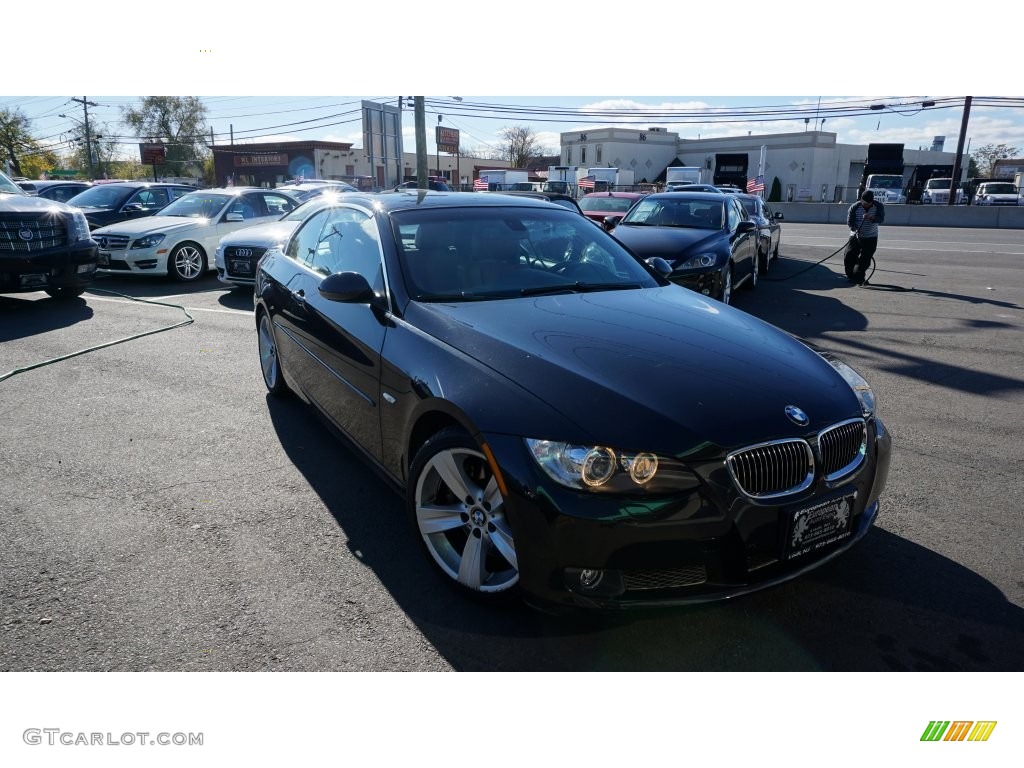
[
  {"x": 520, "y": 144},
  {"x": 986, "y": 157}
]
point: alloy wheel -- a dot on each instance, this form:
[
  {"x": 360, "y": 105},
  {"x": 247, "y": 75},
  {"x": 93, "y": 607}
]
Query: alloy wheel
[
  {"x": 460, "y": 513},
  {"x": 187, "y": 262}
]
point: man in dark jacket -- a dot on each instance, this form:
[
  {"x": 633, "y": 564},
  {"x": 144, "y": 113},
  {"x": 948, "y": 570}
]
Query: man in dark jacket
[{"x": 863, "y": 219}]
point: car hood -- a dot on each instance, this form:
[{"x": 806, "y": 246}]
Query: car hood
[
  {"x": 657, "y": 369},
  {"x": 670, "y": 243},
  {"x": 24, "y": 203},
  {"x": 261, "y": 235},
  {"x": 148, "y": 224}
]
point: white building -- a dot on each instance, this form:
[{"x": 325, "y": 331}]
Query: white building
[{"x": 810, "y": 165}]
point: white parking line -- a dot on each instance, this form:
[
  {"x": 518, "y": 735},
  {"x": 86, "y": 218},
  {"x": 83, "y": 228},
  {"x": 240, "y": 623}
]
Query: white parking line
[{"x": 190, "y": 309}]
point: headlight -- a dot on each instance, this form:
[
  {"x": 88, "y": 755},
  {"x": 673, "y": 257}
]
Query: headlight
[
  {"x": 857, "y": 383},
  {"x": 149, "y": 241},
  {"x": 699, "y": 261},
  {"x": 600, "y": 468},
  {"x": 78, "y": 227}
]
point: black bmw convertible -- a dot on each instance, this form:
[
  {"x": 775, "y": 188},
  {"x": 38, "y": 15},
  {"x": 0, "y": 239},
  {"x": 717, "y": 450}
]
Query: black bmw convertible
[{"x": 564, "y": 422}]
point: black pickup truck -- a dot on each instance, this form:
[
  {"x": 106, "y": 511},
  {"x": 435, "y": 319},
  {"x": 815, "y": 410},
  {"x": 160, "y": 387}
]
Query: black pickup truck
[{"x": 44, "y": 245}]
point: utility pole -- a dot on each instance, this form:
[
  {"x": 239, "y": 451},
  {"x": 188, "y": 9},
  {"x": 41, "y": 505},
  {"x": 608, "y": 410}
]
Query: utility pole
[
  {"x": 957, "y": 163},
  {"x": 421, "y": 143},
  {"x": 84, "y": 101}
]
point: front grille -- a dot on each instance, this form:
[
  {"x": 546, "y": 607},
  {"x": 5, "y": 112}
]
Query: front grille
[
  {"x": 112, "y": 242},
  {"x": 32, "y": 232},
  {"x": 665, "y": 578},
  {"x": 772, "y": 469},
  {"x": 843, "y": 448},
  {"x": 241, "y": 260}
]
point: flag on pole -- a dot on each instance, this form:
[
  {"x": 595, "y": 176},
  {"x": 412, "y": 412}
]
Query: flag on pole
[
  {"x": 755, "y": 185},
  {"x": 587, "y": 182},
  {"x": 480, "y": 185}
]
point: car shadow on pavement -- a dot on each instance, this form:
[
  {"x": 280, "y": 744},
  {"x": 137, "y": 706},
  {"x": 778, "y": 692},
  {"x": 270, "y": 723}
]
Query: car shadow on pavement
[
  {"x": 813, "y": 307},
  {"x": 150, "y": 287},
  {"x": 34, "y": 314},
  {"x": 237, "y": 298},
  {"x": 887, "y": 604}
]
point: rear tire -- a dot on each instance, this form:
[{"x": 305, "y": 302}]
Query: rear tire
[{"x": 270, "y": 363}]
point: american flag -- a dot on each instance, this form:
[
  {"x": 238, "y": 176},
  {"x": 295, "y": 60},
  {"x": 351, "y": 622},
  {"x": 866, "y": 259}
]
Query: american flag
[
  {"x": 587, "y": 182},
  {"x": 755, "y": 185},
  {"x": 480, "y": 184}
]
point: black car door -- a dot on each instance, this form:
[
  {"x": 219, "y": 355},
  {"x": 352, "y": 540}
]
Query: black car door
[{"x": 345, "y": 337}]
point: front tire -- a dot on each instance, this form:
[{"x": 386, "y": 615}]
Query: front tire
[
  {"x": 458, "y": 514},
  {"x": 726, "y": 296},
  {"x": 187, "y": 263},
  {"x": 64, "y": 293},
  {"x": 270, "y": 363}
]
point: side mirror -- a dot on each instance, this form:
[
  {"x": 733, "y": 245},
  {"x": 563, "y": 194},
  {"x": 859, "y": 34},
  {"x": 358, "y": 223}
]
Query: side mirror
[
  {"x": 346, "y": 287},
  {"x": 234, "y": 217},
  {"x": 746, "y": 226},
  {"x": 779, "y": 216},
  {"x": 132, "y": 208},
  {"x": 610, "y": 222},
  {"x": 660, "y": 266}
]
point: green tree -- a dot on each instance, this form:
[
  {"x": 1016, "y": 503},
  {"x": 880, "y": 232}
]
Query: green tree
[
  {"x": 177, "y": 121},
  {"x": 775, "y": 196},
  {"x": 986, "y": 156},
  {"x": 15, "y": 139}
]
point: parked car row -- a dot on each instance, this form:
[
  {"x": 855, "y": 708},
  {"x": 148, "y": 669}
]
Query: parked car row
[{"x": 530, "y": 382}]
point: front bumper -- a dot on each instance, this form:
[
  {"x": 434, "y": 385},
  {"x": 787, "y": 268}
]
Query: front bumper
[
  {"x": 703, "y": 545},
  {"x": 707, "y": 281},
  {"x": 139, "y": 261},
  {"x": 72, "y": 266}
]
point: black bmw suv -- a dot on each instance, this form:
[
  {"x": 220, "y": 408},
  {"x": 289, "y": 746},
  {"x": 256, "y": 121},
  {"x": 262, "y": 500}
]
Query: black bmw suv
[{"x": 44, "y": 245}]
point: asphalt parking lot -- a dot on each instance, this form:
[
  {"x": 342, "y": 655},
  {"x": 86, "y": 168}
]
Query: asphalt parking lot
[{"x": 161, "y": 513}]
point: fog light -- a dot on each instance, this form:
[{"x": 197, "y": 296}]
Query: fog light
[{"x": 590, "y": 578}]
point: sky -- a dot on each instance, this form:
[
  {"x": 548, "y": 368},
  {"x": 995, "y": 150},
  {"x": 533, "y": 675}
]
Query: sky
[
  {"x": 268, "y": 81},
  {"x": 480, "y": 118}
]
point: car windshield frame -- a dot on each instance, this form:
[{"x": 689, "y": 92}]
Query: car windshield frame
[
  {"x": 198, "y": 205},
  {"x": 677, "y": 212},
  {"x": 606, "y": 203},
  {"x": 485, "y": 253}
]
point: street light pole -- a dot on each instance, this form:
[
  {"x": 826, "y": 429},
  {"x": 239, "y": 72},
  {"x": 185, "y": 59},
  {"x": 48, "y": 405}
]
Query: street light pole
[
  {"x": 957, "y": 162},
  {"x": 84, "y": 101}
]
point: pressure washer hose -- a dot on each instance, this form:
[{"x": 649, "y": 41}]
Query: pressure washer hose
[{"x": 33, "y": 366}]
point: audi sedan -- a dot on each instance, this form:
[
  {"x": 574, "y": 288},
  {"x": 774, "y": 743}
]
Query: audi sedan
[
  {"x": 564, "y": 422},
  {"x": 705, "y": 237},
  {"x": 181, "y": 239}
]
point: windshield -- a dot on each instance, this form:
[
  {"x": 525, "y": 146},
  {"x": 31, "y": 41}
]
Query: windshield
[
  {"x": 606, "y": 203},
  {"x": 102, "y": 196},
  {"x": 938, "y": 184},
  {"x": 669, "y": 212},
  {"x": 886, "y": 182},
  {"x": 197, "y": 205},
  {"x": 6, "y": 185},
  {"x": 1000, "y": 189},
  {"x": 476, "y": 254}
]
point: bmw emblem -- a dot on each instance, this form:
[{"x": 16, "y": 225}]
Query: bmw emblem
[
  {"x": 797, "y": 416},
  {"x": 25, "y": 234}
]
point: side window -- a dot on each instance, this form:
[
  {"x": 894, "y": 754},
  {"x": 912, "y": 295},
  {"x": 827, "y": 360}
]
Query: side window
[
  {"x": 733, "y": 216},
  {"x": 349, "y": 243},
  {"x": 277, "y": 205},
  {"x": 247, "y": 205},
  {"x": 177, "y": 192},
  {"x": 304, "y": 244}
]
